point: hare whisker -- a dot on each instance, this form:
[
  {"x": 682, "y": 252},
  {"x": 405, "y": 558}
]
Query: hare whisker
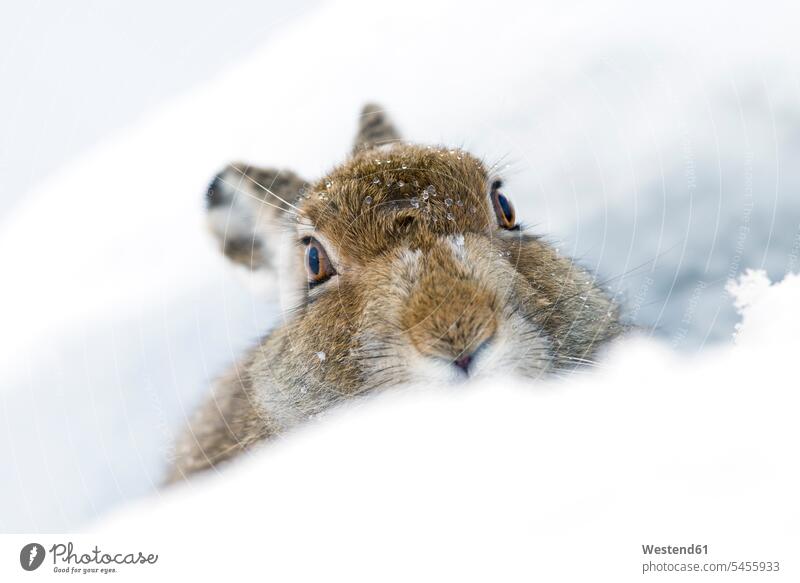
[
  {"x": 257, "y": 183},
  {"x": 238, "y": 190}
]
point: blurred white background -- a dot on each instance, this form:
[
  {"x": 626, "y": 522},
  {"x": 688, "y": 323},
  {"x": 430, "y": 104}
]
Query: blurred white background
[{"x": 73, "y": 72}]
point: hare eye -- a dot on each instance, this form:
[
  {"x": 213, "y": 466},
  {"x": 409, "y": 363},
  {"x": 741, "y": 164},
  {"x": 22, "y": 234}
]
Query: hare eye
[
  {"x": 318, "y": 266},
  {"x": 503, "y": 209}
]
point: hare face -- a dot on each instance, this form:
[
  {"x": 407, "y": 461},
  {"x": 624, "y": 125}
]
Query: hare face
[
  {"x": 426, "y": 266},
  {"x": 410, "y": 265}
]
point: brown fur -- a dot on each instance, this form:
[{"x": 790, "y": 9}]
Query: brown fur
[{"x": 425, "y": 275}]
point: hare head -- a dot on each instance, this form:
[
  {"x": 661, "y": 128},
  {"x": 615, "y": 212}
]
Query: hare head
[{"x": 409, "y": 263}]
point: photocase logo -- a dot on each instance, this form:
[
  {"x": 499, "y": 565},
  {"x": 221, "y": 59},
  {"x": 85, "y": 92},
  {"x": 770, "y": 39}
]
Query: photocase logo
[
  {"x": 31, "y": 556},
  {"x": 67, "y": 559}
]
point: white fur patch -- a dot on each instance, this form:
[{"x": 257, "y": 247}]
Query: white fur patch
[
  {"x": 456, "y": 243},
  {"x": 515, "y": 348},
  {"x": 426, "y": 369}
]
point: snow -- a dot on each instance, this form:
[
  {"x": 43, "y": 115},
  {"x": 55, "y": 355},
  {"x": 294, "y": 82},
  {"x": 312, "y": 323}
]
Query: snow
[
  {"x": 659, "y": 147},
  {"x": 501, "y": 480}
]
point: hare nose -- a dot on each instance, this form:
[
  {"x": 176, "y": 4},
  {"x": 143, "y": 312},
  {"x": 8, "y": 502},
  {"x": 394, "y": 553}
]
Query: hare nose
[
  {"x": 463, "y": 362},
  {"x": 466, "y": 360}
]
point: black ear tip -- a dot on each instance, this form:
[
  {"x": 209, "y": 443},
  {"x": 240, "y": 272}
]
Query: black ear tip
[
  {"x": 371, "y": 108},
  {"x": 216, "y": 195},
  {"x": 374, "y": 128},
  {"x": 373, "y": 115}
]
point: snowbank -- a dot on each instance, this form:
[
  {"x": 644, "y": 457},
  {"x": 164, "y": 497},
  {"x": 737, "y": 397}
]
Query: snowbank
[{"x": 508, "y": 481}]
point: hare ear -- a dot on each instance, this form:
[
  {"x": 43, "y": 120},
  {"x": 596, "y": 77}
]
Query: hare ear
[
  {"x": 374, "y": 129},
  {"x": 248, "y": 211}
]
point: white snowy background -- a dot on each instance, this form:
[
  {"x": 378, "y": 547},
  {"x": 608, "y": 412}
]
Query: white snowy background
[{"x": 657, "y": 143}]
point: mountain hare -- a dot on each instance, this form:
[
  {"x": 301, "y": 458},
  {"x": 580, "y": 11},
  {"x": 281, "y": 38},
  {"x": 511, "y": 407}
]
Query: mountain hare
[{"x": 409, "y": 264}]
